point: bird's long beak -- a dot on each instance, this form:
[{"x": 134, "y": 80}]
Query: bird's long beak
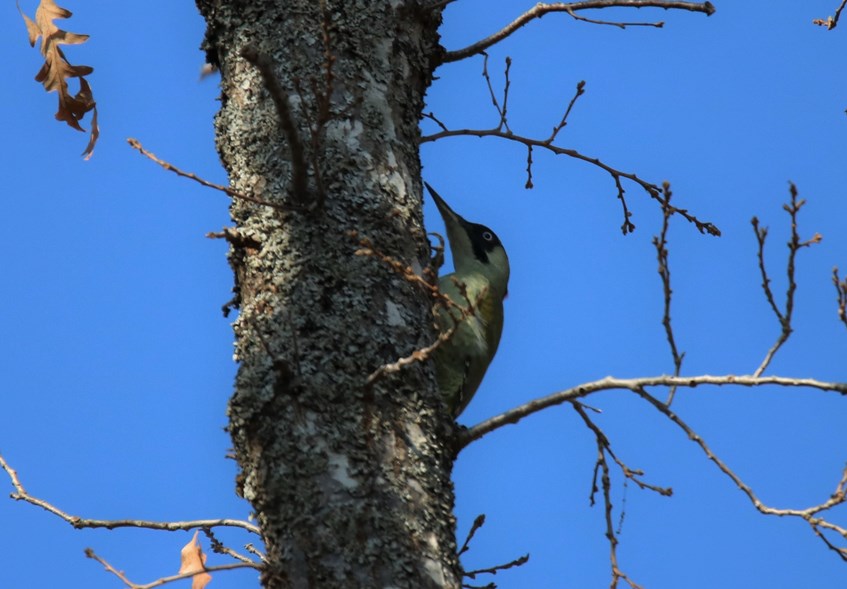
[{"x": 449, "y": 215}]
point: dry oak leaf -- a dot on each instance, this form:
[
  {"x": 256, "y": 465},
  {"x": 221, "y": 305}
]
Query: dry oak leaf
[
  {"x": 56, "y": 71},
  {"x": 193, "y": 559}
]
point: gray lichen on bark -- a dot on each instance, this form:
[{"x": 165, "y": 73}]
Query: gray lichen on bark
[{"x": 350, "y": 484}]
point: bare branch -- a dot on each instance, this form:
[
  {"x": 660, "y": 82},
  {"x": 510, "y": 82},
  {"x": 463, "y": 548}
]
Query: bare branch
[
  {"x": 477, "y": 524},
  {"x": 164, "y": 580},
  {"x": 136, "y": 144},
  {"x": 652, "y": 190},
  {"x": 503, "y": 124},
  {"x": 432, "y": 117},
  {"x": 21, "y": 494},
  {"x": 761, "y": 236},
  {"x": 617, "y": 573},
  {"x": 632, "y": 474},
  {"x": 253, "y": 550},
  {"x": 91, "y": 554},
  {"x": 503, "y": 131},
  {"x": 794, "y": 245},
  {"x": 831, "y": 22},
  {"x": 220, "y": 548},
  {"x": 521, "y": 560},
  {"x": 602, "y": 465},
  {"x": 619, "y": 24},
  {"x": 661, "y": 243},
  {"x": 580, "y": 90},
  {"x": 810, "y": 514},
  {"x": 541, "y": 9},
  {"x": 841, "y": 552},
  {"x": 516, "y": 414},
  {"x": 418, "y": 355}
]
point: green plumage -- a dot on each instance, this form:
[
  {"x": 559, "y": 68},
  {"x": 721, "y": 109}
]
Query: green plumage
[
  {"x": 461, "y": 362},
  {"x": 477, "y": 287}
]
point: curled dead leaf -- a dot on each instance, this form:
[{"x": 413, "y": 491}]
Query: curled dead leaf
[{"x": 56, "y": 71}]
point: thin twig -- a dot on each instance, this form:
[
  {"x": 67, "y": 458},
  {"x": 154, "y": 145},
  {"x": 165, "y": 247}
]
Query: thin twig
[
  {"x": 810, "y": 514},
  {"x": 529, "y": 185},
  {"x": 164, "y": 580},
  {"x": 607, "y": 516},
  {"x": 794, "y": 245},
  {"x": 619, "y": 24},
  {"x": 221, "y": 548},
  {"x": 477, "y": 524},
  {"x": 580, "y": 90},
  {"x": 521, "y": 560},
  {"x": 541, "y": 9},
  {"x": 418, "y": 355},
  {"x": 119, "y": 574},
  {"x": 503, "y": 131},
  {"x": 432, "y": 117},
  {"x": 661, "y": 245},
  {"x": 253, "y": 550},
  {"x": 632, "y": 474},
  {"x": 21, "y": 494},
  {"x": 299, "y": 170},
  {"x": 617, "y": 573},
  {"x": 761, "y": 236},
  {"x": 652, "y": 190},
  {"x": 602, "y": 466},
  {"x": 501, "y": 111},
  {"x": 136, "y": 144}
]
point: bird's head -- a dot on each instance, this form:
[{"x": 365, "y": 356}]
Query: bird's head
[{"x": 475, "y": 248}]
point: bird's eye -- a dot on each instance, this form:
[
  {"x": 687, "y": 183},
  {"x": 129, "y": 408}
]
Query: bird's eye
[{"x": 487, "y": 236}]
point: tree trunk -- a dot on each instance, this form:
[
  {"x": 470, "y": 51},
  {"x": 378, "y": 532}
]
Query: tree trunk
[{"x": 350, "y": 482}]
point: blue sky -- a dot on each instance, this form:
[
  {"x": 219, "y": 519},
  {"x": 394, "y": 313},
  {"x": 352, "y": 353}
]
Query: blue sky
[{"x": 117, "y": 364}]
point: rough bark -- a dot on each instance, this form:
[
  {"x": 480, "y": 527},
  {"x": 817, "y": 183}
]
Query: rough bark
[{"x": 350, "y": 483}]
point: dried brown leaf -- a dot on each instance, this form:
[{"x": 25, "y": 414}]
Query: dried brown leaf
[
  {"x": 193, "y": 559},
  {"x": 56, "y": 71}
]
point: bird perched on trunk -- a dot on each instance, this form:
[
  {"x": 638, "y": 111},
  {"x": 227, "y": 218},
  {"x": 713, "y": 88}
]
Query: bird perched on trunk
[{"x": 477, "y": 288}]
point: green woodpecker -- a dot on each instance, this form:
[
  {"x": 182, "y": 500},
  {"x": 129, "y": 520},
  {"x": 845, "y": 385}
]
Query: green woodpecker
[{"x": 477, "y": 287}]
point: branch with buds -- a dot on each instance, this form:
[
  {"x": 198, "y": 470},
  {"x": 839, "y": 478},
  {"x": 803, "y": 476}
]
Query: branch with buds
[
  {"x": 571, "y": 8},
  {"x": 502, "y": 130},
  {"x": 196, "y": 569}
]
